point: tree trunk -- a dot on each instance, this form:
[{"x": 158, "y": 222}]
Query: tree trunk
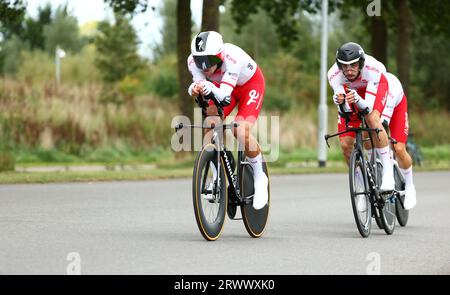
[
  {"x": 379, "y": 39},
  {"x": 210, "y": 15},
  {"x": 403, "y": 45},
  {"x": 183, "y": 50}
]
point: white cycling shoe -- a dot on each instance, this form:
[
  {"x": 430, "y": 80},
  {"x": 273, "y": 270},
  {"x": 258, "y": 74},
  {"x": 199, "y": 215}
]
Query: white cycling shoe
[
  {"x": 387, "y": 183},
  {"x": 209, "y": 196},
  {"x": 410, "y": 197},
  {"x": 261, "y": 193}
]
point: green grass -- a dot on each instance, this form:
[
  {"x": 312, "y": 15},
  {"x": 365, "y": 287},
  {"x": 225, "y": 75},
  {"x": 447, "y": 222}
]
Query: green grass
[
  {"x": 72, "y": 176},
  {"x": 183, "y": 172}
]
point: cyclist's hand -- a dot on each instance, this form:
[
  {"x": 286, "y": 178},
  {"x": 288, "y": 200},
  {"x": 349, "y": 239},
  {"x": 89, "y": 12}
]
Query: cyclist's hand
[
  {"x": 194, "y": 89},
  {"x": 338, "y": 98},
  {"x": 352, "y": 97},
  {"x": 206, "y": 88}
]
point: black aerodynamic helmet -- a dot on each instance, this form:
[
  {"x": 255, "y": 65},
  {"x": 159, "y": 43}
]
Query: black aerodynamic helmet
[{"x": 349, "y": 53}]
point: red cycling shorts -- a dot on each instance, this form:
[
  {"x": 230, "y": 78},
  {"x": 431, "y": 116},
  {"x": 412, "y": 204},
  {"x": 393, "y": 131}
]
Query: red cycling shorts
[{"x": 249, "y": 98}]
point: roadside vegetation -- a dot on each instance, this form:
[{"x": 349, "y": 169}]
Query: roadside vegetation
[{"x": 104, "y": 112}]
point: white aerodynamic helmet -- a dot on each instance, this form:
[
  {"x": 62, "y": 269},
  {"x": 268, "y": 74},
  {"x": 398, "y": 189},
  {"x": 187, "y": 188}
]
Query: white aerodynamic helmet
[{"x": 206, "y": 48}]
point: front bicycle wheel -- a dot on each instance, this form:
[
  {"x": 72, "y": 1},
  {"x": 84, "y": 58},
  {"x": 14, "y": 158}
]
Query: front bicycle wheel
[
  {"x": 254, "y": 220},
  {"x": 402, "y": 214},
  {"x": 209, "y": 193},
  {"x": 359, "y": 194}
]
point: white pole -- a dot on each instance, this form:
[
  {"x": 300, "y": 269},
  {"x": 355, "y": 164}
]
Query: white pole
[
  {"x": 58, "y": 65},
  {"x": 323, "y": 109}
]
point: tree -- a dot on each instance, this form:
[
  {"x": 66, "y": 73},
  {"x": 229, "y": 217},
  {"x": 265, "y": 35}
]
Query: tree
[
  {"x": 168, "y": 31},
  {"x": 12, "y": 13},
  {"x": 183, "y": 29},
  {"x": 11, "y": 51},
  {"x": 184, "y": 23},
  {"x": 403, "y": 44},
  {"x": 285, "y": 14},
  {"x": 128, "y": 6},
  {"x": 33, "y": 33},
  {"x": 210, "y": 15},
  {"x": 258, "y": 38},
  {"x": 117, "y": 49},
  {"x": 62, "y": 31}
]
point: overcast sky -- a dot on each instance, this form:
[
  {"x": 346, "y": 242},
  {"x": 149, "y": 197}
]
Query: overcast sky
[{"x": 96, "y": 10}]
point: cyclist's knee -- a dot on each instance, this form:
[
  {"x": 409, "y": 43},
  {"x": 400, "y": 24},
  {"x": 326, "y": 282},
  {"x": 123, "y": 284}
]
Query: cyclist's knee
[
  {"x": 401, "y": 152},
  {"x": 244, "y": 136},
  {"x": 373, "y": 118},
  {"x": 211, "y": 110},
  {"x": 399, "y": 148},
  {"x": 347, "y": 148}
]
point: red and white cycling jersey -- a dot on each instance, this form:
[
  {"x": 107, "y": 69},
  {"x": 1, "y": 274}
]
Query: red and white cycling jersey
[
  {"x": 396, "y": 110},
  {"x": 237, "y": 68},
  {"x": 240, "y": 77},
  {"x": 394, "y": 97},
  {"x": 371, "y": 84}
]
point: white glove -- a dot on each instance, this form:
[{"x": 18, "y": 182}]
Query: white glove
[
  {"x": 335, "y": 99},
  {"x": 191, "y": 87},
  {"x": 356, "y": 95},
  {"x": 207, "y": 88}
]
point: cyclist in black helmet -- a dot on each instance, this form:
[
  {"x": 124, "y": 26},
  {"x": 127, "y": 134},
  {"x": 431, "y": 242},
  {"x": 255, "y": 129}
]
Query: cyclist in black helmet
[{"x": 359, "y": 82}]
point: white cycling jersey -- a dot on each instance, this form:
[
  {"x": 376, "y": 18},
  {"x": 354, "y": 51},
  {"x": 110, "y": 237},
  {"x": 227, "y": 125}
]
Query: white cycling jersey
[
  {"x": 366, "y": 84},
  {"x": 237, "y": 68}
]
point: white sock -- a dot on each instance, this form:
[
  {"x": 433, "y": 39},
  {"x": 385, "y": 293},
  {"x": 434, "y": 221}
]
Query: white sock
[
  {"x": 408, "y": 174},
  {"x": 261, "y": 182},
  {"x": 385, "y": 157},
  {"x": 213, "y": 169},
  {"x": 256, "y": 164},
  {"x": 369, "y": 153}
]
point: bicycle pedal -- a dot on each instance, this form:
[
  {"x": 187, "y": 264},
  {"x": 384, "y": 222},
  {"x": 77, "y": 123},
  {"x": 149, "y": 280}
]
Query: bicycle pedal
[{"x": 248, "y": 200}]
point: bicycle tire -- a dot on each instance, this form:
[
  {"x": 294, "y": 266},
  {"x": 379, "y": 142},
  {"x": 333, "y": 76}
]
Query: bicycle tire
[
  {"x": 387, "y": 211},
  {"x": 363, "y": 226},
  {"x": 376, "y": 216},
  {"x": 375, "y": 211},
  {"x": 255, "y": 221},
  {"x": 402, "y": 214},
  {"x": 209, "y": 223}
]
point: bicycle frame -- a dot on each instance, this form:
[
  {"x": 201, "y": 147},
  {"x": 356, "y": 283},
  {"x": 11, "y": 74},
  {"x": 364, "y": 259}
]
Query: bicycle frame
[
  {"x": 371, "y": 173},
  {"x": 216, "y": 139}
]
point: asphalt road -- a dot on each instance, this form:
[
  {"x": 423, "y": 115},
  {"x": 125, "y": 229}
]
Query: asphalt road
[{"x": 148, "y": 227}]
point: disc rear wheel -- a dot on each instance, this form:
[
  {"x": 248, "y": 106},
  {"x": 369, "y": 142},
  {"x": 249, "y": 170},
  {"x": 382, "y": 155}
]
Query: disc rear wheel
[{"x": 254, "y": 220}]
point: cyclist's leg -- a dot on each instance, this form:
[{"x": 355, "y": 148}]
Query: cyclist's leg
[
  {"x": 251, "y": 97},
  {"x": 381, "y": 141},
  {"x": 347, "y": 140},
  {"x": 399, "y": 131}
]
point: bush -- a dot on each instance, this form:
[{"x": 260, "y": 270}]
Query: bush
[
  {"x": 275, "y": 100},
  {"x": 164, "y": 80},
  {"x": 7, "y": 161}
]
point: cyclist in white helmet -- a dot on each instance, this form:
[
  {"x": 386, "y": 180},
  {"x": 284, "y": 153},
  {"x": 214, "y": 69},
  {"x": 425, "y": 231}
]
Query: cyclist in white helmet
[{"x": 235, "y": 79}]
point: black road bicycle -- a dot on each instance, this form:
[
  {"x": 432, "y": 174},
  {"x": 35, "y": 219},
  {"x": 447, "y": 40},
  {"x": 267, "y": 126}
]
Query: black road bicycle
[
  {"x": 367, "y": 200},
  {"x": 232, "y": 186}
]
